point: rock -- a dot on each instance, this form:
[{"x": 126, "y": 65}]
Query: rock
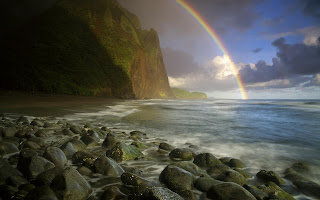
[
  {"x": 75, "y": 130},
  {"x": 68, "y": 149},
  {"x": 258, "y": 194},
  {"x": 113, "y": 193},
  {"x": 192, "y": 168},
  {"x": 85, "y": 171},
  {"x": 19, "y": 195},
  {"x": 292, "y": 175},
  {"x": 32, "y": 166},
  {"x": 122, "y": 152},
  {"x": 274, "y": 191},
  {"x": 217, "y": 170},
  {"x": 89, "y": 141},
  {"x": 38, "y": 141},
  {"x": 30, "y": 145},
  {"x": 67, "y": 132},
  {"x": 166, "y": 146},
  {"x": 137, "y": 134},
  {"x": 48, "y": 125},
  {"x": 16, "y": 181},
  {"x": 270, "y": 176},
  {"x": 178, "y": 180},
  {"x": 7, "y": 191},
  {"x": 225, "y": 160},
  {"x": 41, "y": 193},
  {"x": 206, "y": 160},
  {"x": 108, "y": 167},
  {"x": 83, "y": 158},
  {"x": 78, "y": 145},
  {"x": 229, "y": 191},
  {"x": 160, "y": 193},
  {"x": 179, "y": 154},
  {"x": 21, "y": 134},
  {"x": 243, "y": 173},
  {"x": 23, "y": 119},
  {"x": 232, "y": 176},
  {"x": 46, "y": 177},
  {"x": 301, "y": 167},
  {"x": 87, "y": 125},
  {"x": 55, "y": 155},
  {"x": 40, "y": 133},
  {"x": 7, "y": 147},
  {"x": 70, "y": 185},
  {"x": 139, "y": 145},
  {"x": 6, "y": 171},
  {"x": 9, "y": 132},
  {"x": 204, "y": 183},
  {"x": 27, "y": 187},
  {"x": 235, "y": 163},
  {"x": 94, "y": 135},
  {"x": 308, "y": 187},
  {"x": 36, "y": 123},
  {"x": 110, "y": 141}
]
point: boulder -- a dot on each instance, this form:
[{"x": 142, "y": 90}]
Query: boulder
[
  {"x": 75, "y": 130},
  {"x": 229, "y": 191},
  {"x": 122, "y": 152},
  {"x": 243, "y": 173},
  {"x": 110, "y": 141},
  {"x": 85, "y": 171},
  {"x": 40, "y": 133},
  {"x": 16, "y": 181},
  {"x": 160, "y": 193},
  {"x": 235, "y": 163},
  {"x": 68, "y": 149},
  {"x": 274, "y": 191},
  {"x": 83, "y": 158},
  {"x": 9, "y": 132},
  {"x": 32, "y": 166},
  {"x": 308, "y": 187},
  {"x": 46, "y": 177},
  {"x": 30, "y": 145},
  {"x": 113, "y": 193},
  {"x": 7, "y": 191},
  {"x": 206, "y": 160},
  {"x": 38, "y": 141},
  {"x": 270, "y": 176},
  {"x": 181, "y": 154},
  {"x": 165, "y": 146},
  {"x": 191, "y": 167},
  {"x": 36, "y": 123},
  {"x": 8, "y": 147},
  {"x": 6, "y": 171},
  {"x": 178, "y": 180},
  {"x": 217, "y": 170},
  {"x": 23, "y": 119},
  {"x": 41, "y": 193},
  {"x": 258, "y": 194},
  {"x": 70, "y": 185},
  {"x": 301, "y": 167},
  {"x": 67, "y": 132},
  {"x": 204, "y": 183},
  {"x": 232, "y": 176},
  {"x": 89, "y": 141},
  {"x": 78, "y": 145},
  {"x": 108, "y": 167},
  {"x": 55, "y": 155}
]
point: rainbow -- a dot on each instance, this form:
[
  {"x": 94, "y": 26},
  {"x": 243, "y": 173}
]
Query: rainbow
[{"x": 218, "y": 41}]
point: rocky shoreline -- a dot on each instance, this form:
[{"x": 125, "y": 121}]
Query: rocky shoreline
[{"x": 47, "y": 158}]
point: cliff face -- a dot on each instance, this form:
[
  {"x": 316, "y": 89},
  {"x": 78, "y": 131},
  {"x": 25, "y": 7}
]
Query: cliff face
[{"x": 86, "y": 47}]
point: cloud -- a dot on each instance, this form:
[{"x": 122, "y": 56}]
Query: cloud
[
  {"x": 257, "y": 50},
  {"x": 273, "y": 22},
  {"x": 312, "y": 8}
]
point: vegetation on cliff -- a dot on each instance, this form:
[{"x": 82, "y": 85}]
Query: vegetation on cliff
[
  {"x": 85, "y": 47},
  {"x": 184, "y": 94}
]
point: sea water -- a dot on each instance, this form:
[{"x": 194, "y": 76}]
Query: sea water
[{"x": 265, "y": 134}]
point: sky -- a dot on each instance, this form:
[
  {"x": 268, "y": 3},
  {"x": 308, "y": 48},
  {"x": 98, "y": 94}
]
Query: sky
[{"x": 273, "y": 44}]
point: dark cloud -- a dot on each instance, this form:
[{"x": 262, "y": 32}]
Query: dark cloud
[
  {"x": 178, "y": 63},
  {"x": 273, "y": 22},
  {"x": 312, "y": 8},
  {"x": 257, "y": 50},
  {"x": 16, "y": 12},
  {"x": 292, "y": 61}
]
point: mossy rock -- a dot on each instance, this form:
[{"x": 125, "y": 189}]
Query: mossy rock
[
  {"x": 122, "y": 152},
  {"x": 274, "y": 191}
]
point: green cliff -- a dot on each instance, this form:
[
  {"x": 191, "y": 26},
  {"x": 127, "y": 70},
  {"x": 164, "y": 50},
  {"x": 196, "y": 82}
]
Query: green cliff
[
  {"x": 184, "y": 94},
  {"x": 85, "y": 47}
]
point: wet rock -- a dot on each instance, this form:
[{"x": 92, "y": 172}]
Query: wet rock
[
  {"x": 160, "y": 193},
  {"x": 122, "y": 152},
  {"x": 235, "y": 163},
  {"x": 85, "y": 171},
  {"x": 30, "y": 145},
  {"x": 32, "y": 166},
  {"x": 36, "y": 123},
  {"x": 139, "y": 145},
  {"x": 55, "y": 155},
  {"x": 41, "y": 193},
  {"x": 113, "y": 193},
  {"x": 40, "y": 133},
  {"x": 7, "y": 191},
  {"x": 87, "y": 125},
  {"x": 108, "y": 167},
  {"x": 21, "y": 134},
  {"x": 270, "y": 176},
  {"x": 27, "y": 187},
  {"x": 16, "y": 181},
  {"x": 204, "y": 183},
  {"x": 308, "y": 187},
  {"x": 243, "y": 173},
  {"x": 166, "y": 146},
  {"x": 292, "y": 175},
  {"x": 137, "y": 135},
  {"x": 38, "y": 141},
  {"x": 46, "y": 177},
  {"x": 75, "y": 130},
  {"x": 70, "y": 185},
  {"x": 258, "y": 194},
  {"x": 78, "y": 145},
  {"x": 83, "y": 158},
  {"x": 7, "y": 147},
  {"x": 67, "y": 132},
  {"x": 191, "y": 167},
  {"x": 229, "y": 191},
  {"x": 232, "y": 176},
  {"x": 89, "y": 141},
  {"x": 94, "y": 135},
  {"x": 301, "y": 167},
  {"x": 19, "y": 195},
  {"x": 217, "y": 170},
  {"x": 48, "y": 125},
  {"x": 274, "y": 191},
  {"x": 23, "y": 119},
  {"x": 9, "y": 132},
  {"x": 225, "y": 160},
  {"x": 110, "y": 141},
  {"x": 206, "y": 160},
  {"x": 180, "y": 154},
  {"x": 178, "y": 180},
  {"x": 6, "y": 170},
  {"x": 68, "y": 149}
]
